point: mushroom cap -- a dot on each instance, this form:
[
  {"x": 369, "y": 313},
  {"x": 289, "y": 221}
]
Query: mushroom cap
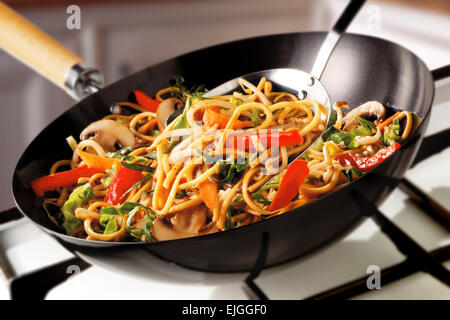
[
  {"x": 370, "y": 108},
  {"x": 184, "y": 224},
  {"x": 107, "y": 133},
  {"x": 165, "y": 109}
]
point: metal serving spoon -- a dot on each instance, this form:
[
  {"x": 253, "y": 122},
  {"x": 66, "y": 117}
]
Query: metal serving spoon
[{"x": 306, "y": 85}]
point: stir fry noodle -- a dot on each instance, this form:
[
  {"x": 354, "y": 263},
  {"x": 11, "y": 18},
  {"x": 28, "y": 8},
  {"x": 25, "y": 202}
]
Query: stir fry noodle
[{"x": 143, "y": 173}]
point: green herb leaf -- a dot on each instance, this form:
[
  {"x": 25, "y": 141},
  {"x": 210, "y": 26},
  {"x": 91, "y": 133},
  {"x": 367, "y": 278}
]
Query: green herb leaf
[
  {"x": 366, "y": 123},
  {"x": 182, "y": 122},
  {"x": 134, "y": 159},
  {"x": 127, "y": 207},
  {"x": 138, "y": 167},
  {"x": 333, "y": 119},
  {"x": 108, "y": 223},
  {"x": 181, "y": 194},
  {"x": 125, "y": 151},
  {"x": 227, "y": 225},
  {"x": 352, "y": 171},
  {"x": 255, "y": 117},
  {"x": 170, "y": 146},
  {"x": 230, "y": 171},
  {"x": 271, "y": 185},
  {"x": 328, "y": 133},
  {"x": 110, "y": 211},
  {"x": 259, "y": 198},
  {"x": 236, "y": 101},
  {"x": 151, "y": 155}
]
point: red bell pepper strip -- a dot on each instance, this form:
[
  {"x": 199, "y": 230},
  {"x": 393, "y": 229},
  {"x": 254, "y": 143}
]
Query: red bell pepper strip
[
  {"x": 61, "y": 179},
  {"x": 123, "y": 180},
  {"x": 145, "y": 101},
  {"x": 295, "y": 174},
  {"x": 367, "y": 163},
  {"x": 288, "y": 138}
]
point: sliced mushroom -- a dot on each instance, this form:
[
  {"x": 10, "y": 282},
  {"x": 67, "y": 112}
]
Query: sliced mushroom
[
  {"x": 184, "y": 224},
  {"x": 165, "y": 109},
  {"x": 108, "y": 133},
  {"x": 368, "y": 109}
]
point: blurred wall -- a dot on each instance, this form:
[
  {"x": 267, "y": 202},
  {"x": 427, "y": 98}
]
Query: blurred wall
[{"x": 122, "y": 38}]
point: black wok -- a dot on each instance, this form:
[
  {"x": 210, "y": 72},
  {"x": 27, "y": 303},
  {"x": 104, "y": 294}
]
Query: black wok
[{"x": 362, "y": 68}]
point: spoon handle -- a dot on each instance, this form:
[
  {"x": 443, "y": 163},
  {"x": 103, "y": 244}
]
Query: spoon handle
[{"x": 334, "y": 35}]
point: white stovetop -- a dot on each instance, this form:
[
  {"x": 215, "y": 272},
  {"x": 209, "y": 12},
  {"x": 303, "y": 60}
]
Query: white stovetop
[{"x": 348, "y": 259}]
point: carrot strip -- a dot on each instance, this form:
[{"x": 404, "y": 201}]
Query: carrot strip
[
  {"x": 211, "y": 117},
  {"x": 99, "y": 162},
  {"x": 295, "y": 174},
  {"x": 382, "y": 125},
  {"x": 149, "y": 125},
  {"x": 209, "y": 194}
]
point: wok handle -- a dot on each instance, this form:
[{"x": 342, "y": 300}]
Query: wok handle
[
  {"x": 35, "y": 48},
  {"x": 441, "y": 73},
  {"x": 334, "y": 36}
]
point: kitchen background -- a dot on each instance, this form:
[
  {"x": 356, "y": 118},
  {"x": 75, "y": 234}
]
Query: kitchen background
[{"x": 121, "y": 37}]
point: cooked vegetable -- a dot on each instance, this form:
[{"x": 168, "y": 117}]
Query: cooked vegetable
[
  {"x": 145, "y": 101},
  {"x": 108, "y": 133},
  {"x": 119, "y": 154},
  {"x": 391, "y": 133},
  {"x": 367, "y": 163},
  {"x": 139, "y": 183},
  {"x": 230, "y": 171},
  {"x": 72, "y": 143},
  {"x": 183, "y": 123},
  {"x": 369, "y": 109},
  {"x": 350, "y": 173},
  {"x": 124, "y": 179},
  {"x": 165, "y": 109},
  {"x": 211, "y": 118},
  {"x": 291, "y": 181},
  {"x": 108, "y": 223},
  {"x": 61, "y": 179},
  {"x": 186, "y": 223},
  {"x": 99, "y": 162},
  {"x": 138, "y": 167},
  {"x": 347, "y": 139},
  {"x": 382, "y": 125},
  {"x": 78, "y": 198},
  {"x": 209, "y": 193}
]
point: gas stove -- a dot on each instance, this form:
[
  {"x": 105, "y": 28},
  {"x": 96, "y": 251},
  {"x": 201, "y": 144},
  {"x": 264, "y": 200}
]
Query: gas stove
[{"x": 401, "y": 252}]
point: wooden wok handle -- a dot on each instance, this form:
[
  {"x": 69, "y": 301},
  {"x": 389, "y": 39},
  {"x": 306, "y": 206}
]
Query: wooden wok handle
[{"x": 34, "y": 47}]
